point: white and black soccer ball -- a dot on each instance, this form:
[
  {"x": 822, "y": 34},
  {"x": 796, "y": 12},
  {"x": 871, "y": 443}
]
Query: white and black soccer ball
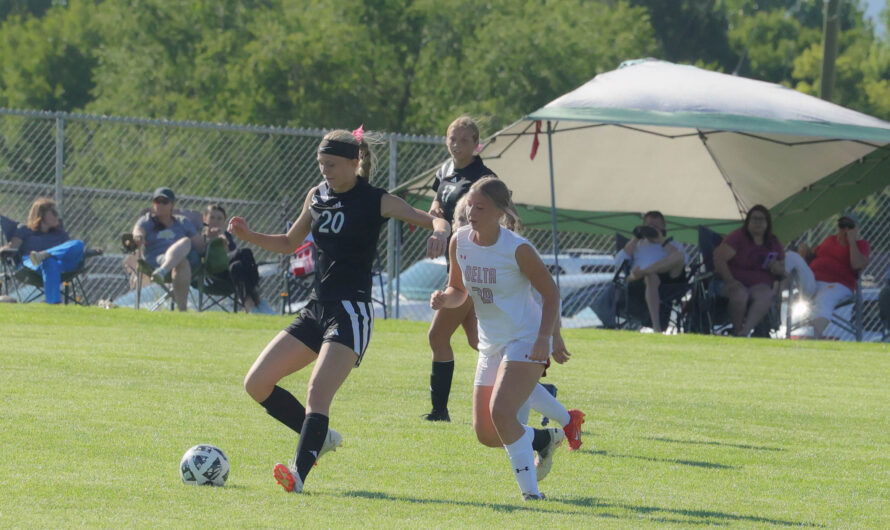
[{"x": 204, "y": 465}]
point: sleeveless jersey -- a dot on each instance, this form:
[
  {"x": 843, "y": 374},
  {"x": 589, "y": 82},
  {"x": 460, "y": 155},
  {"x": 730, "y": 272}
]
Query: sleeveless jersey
[
  {"x": 452, "y": 184},
  {"x": 502, "y": 295},
  {"x": 346, "y": 227}
]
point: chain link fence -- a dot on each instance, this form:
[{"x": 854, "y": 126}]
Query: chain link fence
[{"x": 102, "y": 170}]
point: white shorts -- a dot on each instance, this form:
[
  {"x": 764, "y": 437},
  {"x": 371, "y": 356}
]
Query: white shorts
[
  {"x": 828, "y": 296},
  {"x": 490, "y": 359}
]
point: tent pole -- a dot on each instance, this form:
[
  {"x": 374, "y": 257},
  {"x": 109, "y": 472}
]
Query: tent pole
[{"x": 553, "y": 202}]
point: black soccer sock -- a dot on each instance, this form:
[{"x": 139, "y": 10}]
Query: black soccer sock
[
  {"x": 315, "y": 429},
  {"x": 440, "y": 384},
  {"x": 284, "y": 407},
  {"x": 541, "y": 439}
]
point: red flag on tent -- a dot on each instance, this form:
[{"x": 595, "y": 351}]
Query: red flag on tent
[{"x": 535, "y": 142}]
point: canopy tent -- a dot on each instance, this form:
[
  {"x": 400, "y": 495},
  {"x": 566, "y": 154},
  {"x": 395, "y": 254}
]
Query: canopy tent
[{"x": 700, "y": 146}]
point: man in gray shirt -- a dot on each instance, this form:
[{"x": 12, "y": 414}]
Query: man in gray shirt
[{"x": 170, "y": 242}]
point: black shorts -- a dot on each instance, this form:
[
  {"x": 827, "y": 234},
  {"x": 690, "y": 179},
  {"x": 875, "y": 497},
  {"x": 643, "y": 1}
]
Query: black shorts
[{"x": 344, "y": 322}]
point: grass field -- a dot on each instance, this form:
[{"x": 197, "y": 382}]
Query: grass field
[{"x": 98, "y": 406}]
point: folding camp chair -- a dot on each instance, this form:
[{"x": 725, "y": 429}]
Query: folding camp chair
[
  {"x": 795, "y": 298},
  {"x": 7, "y": 228},
  {"x": 631, "y": 310},
  {"x": 298, "y": 278},
  {"x": 213, "y": 280},
  {"x": 139, "y": 269},
  {"x": 708, "y": 310},
  {"x": 16, "y": 277}
]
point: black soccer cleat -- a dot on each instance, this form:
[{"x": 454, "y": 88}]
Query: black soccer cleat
[{"x": 437, "y": 415}]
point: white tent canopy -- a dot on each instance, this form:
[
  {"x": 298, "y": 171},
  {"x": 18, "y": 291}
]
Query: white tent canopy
[{"x": 694, "y": 144}]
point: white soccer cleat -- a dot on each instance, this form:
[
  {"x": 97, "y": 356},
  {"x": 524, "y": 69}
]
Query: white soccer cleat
[
  {"x": 544, "y": 458},
  {"x": 288, "y": 477},
  {"x": 533, "y": 496},
  {"x": 331, "y": 442}
]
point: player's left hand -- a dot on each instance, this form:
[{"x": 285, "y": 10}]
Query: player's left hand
[
  {"x": 437, "y": 300},
  {"x": 541, "y": 350},
  {"x": 560, "y": 354},
  {"x": 436, "y": 245}
]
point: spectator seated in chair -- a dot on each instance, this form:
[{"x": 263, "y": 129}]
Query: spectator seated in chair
[
  {"x": 241, "y": 268},
  {"x": 44, "y": 247},
  {"x": 750, "y": 260},
  {"x": 170, "y": 244},
  {"x": 834, "y": 267},
  {"x": 657, "y": 262}
]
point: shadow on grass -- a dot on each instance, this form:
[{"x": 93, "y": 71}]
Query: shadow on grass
[
  {"x": 721, "y": 444},
  {"x": 693, "y": 463},
  {"x": 652, "y": 513},
  {"x": 697, "y": 516},
  {"x": 536, "y": 506}
]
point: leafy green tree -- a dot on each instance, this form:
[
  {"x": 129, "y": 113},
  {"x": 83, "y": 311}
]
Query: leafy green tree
[
  {"x": 691, "y": 31},
  {"x": 769, "y": 42},
  {"x": 24, "y": 8},
  {"x": 47, "y": 63}
]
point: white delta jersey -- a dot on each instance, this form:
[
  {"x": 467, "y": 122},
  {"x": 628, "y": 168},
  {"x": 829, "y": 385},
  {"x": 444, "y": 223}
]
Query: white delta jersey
[{"x": 504, "y": 299}]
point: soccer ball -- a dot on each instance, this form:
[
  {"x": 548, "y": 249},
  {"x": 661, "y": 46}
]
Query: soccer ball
[{"x": 204, "y": 465}]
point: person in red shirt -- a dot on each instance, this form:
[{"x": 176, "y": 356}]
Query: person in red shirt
[
  {"x": 836, "y": 264},
  {"x": 749, "y": 260}
]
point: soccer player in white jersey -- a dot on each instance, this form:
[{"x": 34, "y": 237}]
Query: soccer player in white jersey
[
  {"x": 540, "y": 399},
  {"x": 517, "y": 335}
]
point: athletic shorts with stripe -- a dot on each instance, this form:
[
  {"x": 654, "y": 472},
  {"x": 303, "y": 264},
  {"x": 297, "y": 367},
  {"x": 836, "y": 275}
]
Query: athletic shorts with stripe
[{"x": 344, "y": 322}]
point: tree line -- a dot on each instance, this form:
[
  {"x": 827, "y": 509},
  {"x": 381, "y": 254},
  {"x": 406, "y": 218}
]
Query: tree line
[{"x": 402, "y": 65}]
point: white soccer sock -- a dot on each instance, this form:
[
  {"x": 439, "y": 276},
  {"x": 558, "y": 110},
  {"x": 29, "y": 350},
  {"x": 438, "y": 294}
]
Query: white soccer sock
[
  {"x": 522, "y": 460},
  {"x": 522, "y": 415},
  {"x": 548, "y": 406}
]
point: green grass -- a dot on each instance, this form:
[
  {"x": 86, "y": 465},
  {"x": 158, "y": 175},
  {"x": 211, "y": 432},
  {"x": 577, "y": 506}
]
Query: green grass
[{"x": 97, "y": 407}]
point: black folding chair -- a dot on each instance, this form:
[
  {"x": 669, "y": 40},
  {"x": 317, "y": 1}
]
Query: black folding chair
[
  {"x": 298, "y": 278},
  {"x": 15, "y": 276},
  {"x": 708, "y": 312},
  {"x": 631, "y": 310},
  {"x": 852, "y": 325},
  {"x": 213, "y": 280},
  {"x": 7, "y": 229}
]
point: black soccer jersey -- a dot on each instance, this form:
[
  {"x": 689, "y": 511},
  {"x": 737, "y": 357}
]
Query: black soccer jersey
[
  {"x": 452, "y": 184},
  {"x": 346, "y": 227}
]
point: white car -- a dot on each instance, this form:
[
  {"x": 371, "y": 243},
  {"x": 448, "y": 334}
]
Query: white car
[{"x": 572, "y": 270}]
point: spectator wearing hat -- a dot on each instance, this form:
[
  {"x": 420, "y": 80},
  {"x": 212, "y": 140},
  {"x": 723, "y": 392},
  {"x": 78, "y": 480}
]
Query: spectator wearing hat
[
  {"x": 171, "y": 244},
  {"x": 835, "y": 264}
]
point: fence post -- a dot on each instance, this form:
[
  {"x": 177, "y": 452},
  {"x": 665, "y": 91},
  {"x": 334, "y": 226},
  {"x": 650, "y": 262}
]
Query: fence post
[
  {"x": 391, "y": 270},
  {"x": 60, "y": 158}
]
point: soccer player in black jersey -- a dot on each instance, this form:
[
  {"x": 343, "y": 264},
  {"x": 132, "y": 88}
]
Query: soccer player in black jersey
[
  {"x": 453, "y": 180},
  {"x": 344, "y": 214}
]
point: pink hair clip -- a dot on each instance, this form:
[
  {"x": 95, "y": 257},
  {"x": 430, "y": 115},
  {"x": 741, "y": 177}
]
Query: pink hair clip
[{"x": 359, "y": 133}]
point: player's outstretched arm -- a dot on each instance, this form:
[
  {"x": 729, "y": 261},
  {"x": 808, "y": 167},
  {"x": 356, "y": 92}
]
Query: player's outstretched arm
[
  {"x": 396, "y": 208},
  {"x": 281, "y": 243}
]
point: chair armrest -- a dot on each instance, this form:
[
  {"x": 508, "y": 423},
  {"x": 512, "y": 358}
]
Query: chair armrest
[{"x": 9, "y": 253}]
